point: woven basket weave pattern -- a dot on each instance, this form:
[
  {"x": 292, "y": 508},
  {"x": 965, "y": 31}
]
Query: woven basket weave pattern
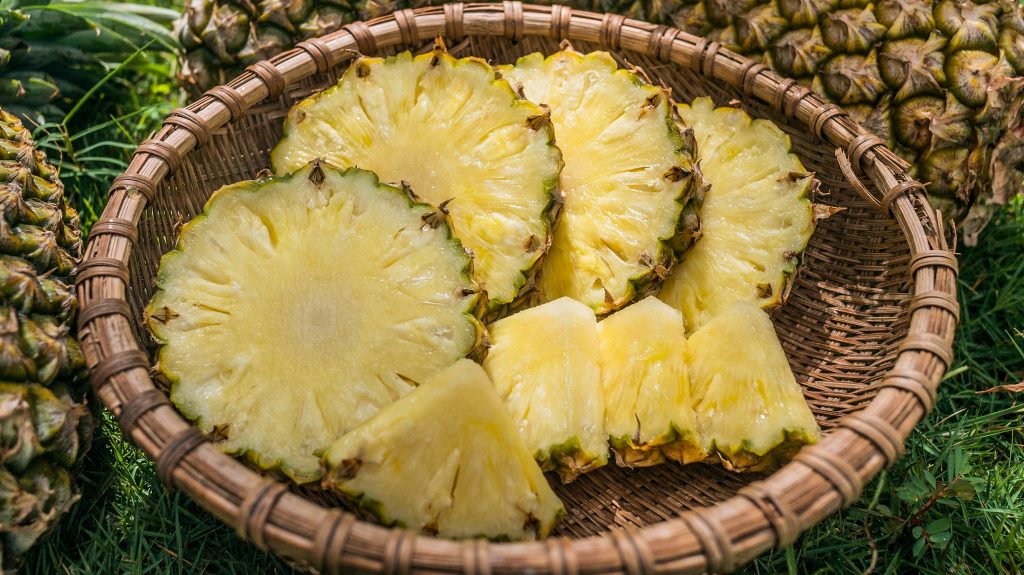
[{"x": 868, "y": 326}]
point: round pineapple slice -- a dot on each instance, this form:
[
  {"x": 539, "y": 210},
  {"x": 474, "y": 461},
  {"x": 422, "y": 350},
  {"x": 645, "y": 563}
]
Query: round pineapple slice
[
  {"x": 628, "y": 173},
  {"x": 756, "y": 218},
  {"x": 459, "y": 136},
  {"x": 296, "y": 308}
]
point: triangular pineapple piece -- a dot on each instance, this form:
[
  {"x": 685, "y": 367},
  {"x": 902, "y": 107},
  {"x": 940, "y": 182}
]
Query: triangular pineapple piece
[
  {"x": 295, "y": 308},
  {"x": 446, "y": 460},
  {"x": 628, "y": 173},
  {"x": 750, "y": 409},
  {"x": 545, "y": 364},
  {"x": 648, "y": 412},
  {"x": 756, "y": 218},
  {"x": 459, "y": 136}
]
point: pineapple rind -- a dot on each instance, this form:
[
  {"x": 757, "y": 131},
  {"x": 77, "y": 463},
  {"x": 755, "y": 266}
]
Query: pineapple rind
[
  {"x": 531, "y": 235},
  {"x": 161, "y": 331},
  {"x": 466, "y": 475},
  {"x": 739, "y": 257},
  {"x": 672, "y": 234}
]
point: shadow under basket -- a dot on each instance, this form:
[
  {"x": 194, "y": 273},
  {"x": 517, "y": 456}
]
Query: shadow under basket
[{"x": 868, "y": 327}]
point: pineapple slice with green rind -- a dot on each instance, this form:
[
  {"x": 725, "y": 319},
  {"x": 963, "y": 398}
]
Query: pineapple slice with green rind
[
  {"x": 756, "y": 218},
  {"x": 648, "y": 412},
  {"x": 545, "y": 364},
  {"x": 460, "y": 137},
  {"x": 296, "y": 308},
  {"x": 462, "y": 474},
  {"x": 750, "y": 409},
  {"x": 629, "y": 171}
]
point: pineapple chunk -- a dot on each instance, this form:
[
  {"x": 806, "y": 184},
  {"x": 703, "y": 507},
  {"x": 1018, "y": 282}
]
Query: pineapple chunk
[
  {"x": 296, "y": 308},
  {"x": 750, "y": 409},
  {"x": 648, "y": 413},
  {"x": 755, "y": 219},
  {"x": 460, "y": 137},
  {"x": 545, "y": 364},
  {"x": 464, "y": 474},
  {"x": 628, "y": 172}
]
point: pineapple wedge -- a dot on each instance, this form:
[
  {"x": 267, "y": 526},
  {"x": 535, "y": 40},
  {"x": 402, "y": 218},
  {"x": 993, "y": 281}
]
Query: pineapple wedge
[
  {"x": 756, "y": 217},
  {"x": 628, "y": 173},
  {"x": 750, "y": 409},
  {"x": 296, "y": 308},
  {"x": 465, "y": 474},
  {"x": 460, "y": 137},
  {"x": 648, "y": 413},
  {"x": 545, "y": 364}
]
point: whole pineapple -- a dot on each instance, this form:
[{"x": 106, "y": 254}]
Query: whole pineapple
[
  {"x": 44, "y": 426},
  {"x": 939, "y": 80}
]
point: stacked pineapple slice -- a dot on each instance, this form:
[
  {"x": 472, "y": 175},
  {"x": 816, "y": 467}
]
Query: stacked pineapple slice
[
  {"x": 369, "y": 288},
  {"x": 629, "y": 172}
]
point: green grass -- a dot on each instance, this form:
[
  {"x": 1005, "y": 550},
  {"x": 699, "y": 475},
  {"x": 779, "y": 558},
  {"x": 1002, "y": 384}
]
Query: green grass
[{"x": 953, "y": 504}]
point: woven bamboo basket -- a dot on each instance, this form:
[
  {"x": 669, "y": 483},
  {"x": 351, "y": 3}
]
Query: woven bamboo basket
[{"x": 868, "y": 326}]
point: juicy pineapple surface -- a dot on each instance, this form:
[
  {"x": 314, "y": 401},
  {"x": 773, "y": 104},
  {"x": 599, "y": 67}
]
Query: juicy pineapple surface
[
  {"x": 296, "y": 308},
  {"x": 446, "y": 460},
  {"x": 756, "y": 217},
  {"x": 648, "y": 413},
  {"x": 628, "y": 173},
  {"x": 545, "y": 364},
  {"x": 750, "y": 409},
  {"x": 460, "y": 137}
]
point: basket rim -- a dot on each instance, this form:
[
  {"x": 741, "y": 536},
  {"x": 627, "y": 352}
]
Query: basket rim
[{"x": 719, "y": 538}]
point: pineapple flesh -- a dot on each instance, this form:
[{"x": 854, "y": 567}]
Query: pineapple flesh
[
  {"x": 756, "y": 217},
  {"x": 648, "y": 413},
  {"x": 295, "y": 308},
  {"x": 629, "y": 171},
  {"x": 446, "y": 460},
  {"x": 750, "y": 410},
  {"x": 545, "y": 364},
  {"x": 459, "y": 136}
]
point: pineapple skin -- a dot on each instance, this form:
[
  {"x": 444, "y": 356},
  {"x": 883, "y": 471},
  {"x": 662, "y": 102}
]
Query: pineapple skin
[
  {"x": 552, "y": 384},
  {"x": 524, "y": 287},
  {"x": 45, "y": 426},
  {"x": 406, "y": 488},
  {"x": 654, "y": 266},
  {"x": 156, "y": 311}
]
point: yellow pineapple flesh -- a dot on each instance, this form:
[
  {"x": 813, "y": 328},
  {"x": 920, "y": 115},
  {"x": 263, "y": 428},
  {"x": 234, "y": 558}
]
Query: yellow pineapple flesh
[
  {"x": 545, "y": 364},
  {"x": 628, "y": 174},
  {"x": 296, "y": 308},
  {"x": 648, "y": 412},
  {"x": 756, "y": 217},
  {"x": 459, "y": 136},
  {"x": 446, "y": 460},
  {"x": 750, "y": 410}
]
